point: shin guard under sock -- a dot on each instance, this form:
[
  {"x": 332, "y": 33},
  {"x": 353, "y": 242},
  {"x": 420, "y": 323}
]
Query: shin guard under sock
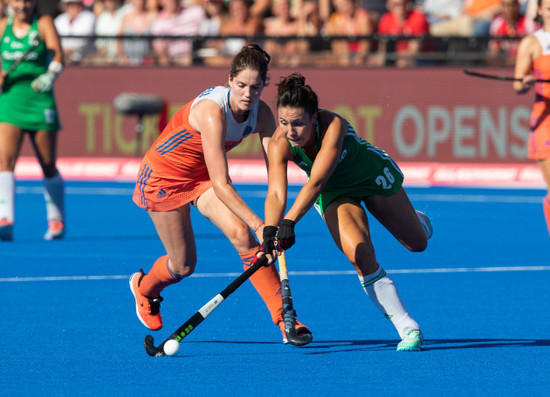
[
  {"x": 546, "y": 207},
  {"x": 267, "y": 283},
  {"x": 7, "y": 196},
  {"x": 383, "y": 292},
  {"x": 159, "y": 277},
  {"x": 54, "y": 195}
]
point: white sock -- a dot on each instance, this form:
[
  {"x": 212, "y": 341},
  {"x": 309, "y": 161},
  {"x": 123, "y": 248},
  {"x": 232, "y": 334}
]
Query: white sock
[
  {"x": 7, "y": 196},
  {"x": 54, "y": 194},
  {"x": 383, "y": 292}
]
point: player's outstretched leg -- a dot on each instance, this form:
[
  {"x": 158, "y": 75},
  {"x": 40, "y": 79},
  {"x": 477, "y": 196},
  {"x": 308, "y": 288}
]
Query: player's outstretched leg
[
  {"x": 267, "y": 282},
  {"x": 382, "y": 291},
  {"x": 146, "y": 289}
]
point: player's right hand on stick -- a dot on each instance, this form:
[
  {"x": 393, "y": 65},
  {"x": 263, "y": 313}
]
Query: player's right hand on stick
[{"x": 285, "y": 235}]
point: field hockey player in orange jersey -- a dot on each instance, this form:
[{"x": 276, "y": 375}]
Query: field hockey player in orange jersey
[
  {"x": 187, "y": 165},
  {"x": 533, "y": 62}
]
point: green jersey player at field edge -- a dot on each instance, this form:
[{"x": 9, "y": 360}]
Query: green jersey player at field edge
[
  {"x": 31, "y": 61},
  {"x": 344, "y": 172}
]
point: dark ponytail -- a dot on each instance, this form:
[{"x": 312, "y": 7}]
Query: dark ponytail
[
  {"x": 293, "y": 92},
  {"x": 538, "y": 17},
  {"x": 253, "y": 57}
]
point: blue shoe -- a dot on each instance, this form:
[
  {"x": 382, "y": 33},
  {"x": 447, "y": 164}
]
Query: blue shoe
[
  {"x": 411, "y": 342},
  {"x": 6, "y": 230},
  {"x": 426, "y": 223},
  {"x": 56, "y": 230}
]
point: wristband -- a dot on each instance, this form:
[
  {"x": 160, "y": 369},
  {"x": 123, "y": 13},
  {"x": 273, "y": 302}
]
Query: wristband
[{"x": 55, "y": 67}]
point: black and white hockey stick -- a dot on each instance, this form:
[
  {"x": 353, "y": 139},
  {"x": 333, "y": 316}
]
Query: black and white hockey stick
[
  {"x": 18, "y": 61},
  {"x": 501, "y": 78},
  {"x": 203, "y": 312},
  {"x": 296, "y": 337}
]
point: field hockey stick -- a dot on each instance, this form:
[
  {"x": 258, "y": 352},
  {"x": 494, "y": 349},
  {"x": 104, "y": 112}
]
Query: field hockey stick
[
  {"x": 203, "y": 312},
  {"x": 501, "y": 78},
  {"x": 289, "y": 315},
  {"x": 18, "y": 61}
]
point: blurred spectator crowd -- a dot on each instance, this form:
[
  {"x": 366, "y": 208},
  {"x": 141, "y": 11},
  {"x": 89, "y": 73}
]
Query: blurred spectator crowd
[{"x": 367, "y": 33}]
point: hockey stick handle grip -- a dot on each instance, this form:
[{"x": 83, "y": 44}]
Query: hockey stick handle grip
[{"x": 283, "y": 272}]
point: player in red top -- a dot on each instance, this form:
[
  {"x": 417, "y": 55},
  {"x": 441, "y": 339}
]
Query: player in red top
[
  {"x": 510, "y": 23},
  {"x": 402, "y": 20}
]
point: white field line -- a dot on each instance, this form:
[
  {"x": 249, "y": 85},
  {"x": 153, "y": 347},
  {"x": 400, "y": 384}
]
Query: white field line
[{"x": 302, "y": 273}]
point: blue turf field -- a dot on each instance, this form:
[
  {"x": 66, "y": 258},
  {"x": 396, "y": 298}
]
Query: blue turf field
[{"x": 480, "y": 292}]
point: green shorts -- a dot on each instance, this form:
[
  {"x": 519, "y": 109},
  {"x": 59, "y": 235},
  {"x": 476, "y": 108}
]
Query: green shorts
[{"x": 27, "y": 109}]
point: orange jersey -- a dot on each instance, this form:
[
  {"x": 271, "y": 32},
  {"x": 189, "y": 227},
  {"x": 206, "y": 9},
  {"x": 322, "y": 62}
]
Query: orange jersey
[
  {"x": 173, "y": 171},
  {"x": 539, "y": 138},
  {"x": 478, "y": 6}
]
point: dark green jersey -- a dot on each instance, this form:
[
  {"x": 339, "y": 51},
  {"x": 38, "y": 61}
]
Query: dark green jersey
[
  {"x": 12, "y": 48},
  {"x": 20, "y": 105},
  {"x": 362, "y": 170}
]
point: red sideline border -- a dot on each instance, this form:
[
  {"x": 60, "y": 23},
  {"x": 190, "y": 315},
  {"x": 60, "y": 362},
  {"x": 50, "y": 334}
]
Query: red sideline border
[{"x": 254, "y": 171}]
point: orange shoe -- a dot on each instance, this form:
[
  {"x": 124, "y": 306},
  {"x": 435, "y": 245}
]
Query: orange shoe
[
  {"x": 303, "y": 334},
  {"x": 56, "y": 230},
  {"x": 147, "y": 309},
  {"x": 6, "y": 230}
]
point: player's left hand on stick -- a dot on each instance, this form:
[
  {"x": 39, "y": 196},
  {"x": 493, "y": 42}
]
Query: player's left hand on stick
[
  {"x": 44, "y": 82},
  {"x": 268, "y": 245},
  {"x": 285, "y": 235}
]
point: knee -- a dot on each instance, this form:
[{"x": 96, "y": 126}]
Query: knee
[
  {"x": 182, "y": 267},
  {"x": 240, "y": 236}
]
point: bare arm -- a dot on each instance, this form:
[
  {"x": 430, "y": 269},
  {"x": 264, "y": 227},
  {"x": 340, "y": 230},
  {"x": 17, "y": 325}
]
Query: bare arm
[
  {"x": 275, "y": 202},
  {"x": 49, "y": 34},
  {"x": 528, "y": 51},
  {"x": 323, "y": 167},
  {"x": 208, "y": 118},
  {"x": 3, "y": 23}
]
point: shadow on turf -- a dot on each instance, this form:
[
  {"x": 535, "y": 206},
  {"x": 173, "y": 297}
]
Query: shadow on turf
[
  {"x": 430, "y": 344},
  {"x": 445, "y": 344},
  {"x": 335, "y": 346}
]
